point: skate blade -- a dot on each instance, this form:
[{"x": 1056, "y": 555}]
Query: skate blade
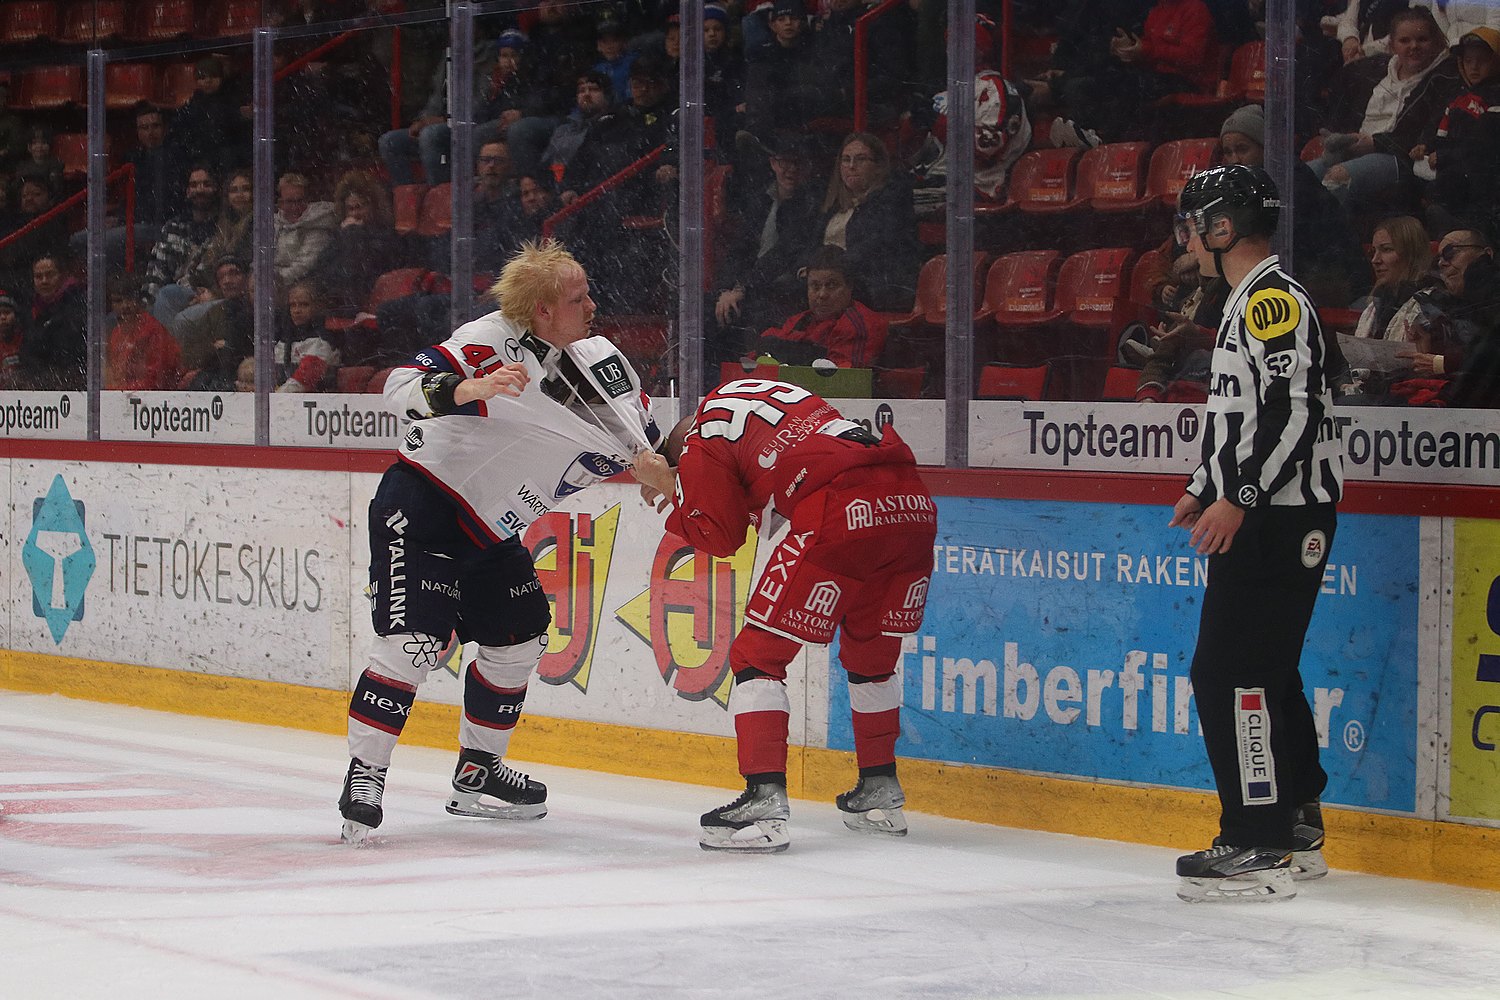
[
  {"x": 474, "y": 804},
  {"x": 882, "y": 822},
  {"x": 767, "y": 836},
  {"x": 1263, "y": 887},
  {"x": 354, "y": 834},
  {"x": 1308, "y": 865}
]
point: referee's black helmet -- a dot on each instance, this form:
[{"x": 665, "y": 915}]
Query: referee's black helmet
[{"x": 1246, "y": 194}]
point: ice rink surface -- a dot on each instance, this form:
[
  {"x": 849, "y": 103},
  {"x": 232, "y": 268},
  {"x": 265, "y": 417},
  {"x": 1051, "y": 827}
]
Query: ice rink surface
[{"x": 152, "y": 855}]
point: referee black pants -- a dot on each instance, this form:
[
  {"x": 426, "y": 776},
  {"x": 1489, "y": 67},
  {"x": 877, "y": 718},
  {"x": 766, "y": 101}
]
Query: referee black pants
[{"x": 1257, "y": 725}]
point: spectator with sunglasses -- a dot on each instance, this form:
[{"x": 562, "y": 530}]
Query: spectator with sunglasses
[{"x": 1456, "y": 319}]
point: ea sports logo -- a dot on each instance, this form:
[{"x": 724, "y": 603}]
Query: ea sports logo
[{"x": 1314, "y": 549}]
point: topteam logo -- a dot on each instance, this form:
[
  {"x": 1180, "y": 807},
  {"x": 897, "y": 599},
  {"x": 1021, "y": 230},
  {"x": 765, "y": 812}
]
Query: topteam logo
[{"x": 58, "y": 559}]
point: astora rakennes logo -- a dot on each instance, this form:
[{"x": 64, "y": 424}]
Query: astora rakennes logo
[{"x": 58, "y": 559}]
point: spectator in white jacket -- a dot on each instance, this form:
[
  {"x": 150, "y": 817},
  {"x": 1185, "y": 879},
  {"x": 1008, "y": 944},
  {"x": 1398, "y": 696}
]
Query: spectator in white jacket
[
  {"x": 303, "y": 230},
  {"x": 1363, "y": 28}
]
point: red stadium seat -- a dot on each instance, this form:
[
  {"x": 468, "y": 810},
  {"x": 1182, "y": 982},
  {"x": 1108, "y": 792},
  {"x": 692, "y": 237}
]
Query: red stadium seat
[
  {"x": 931, "y": 306},
  {"x": 406, "y": 200},
  {"x": 395, "y": 285},
  {"x": 232, "y": 17},
  {"x": 1043, "y": 177},
  {"x": 437, "y": 211},
  {"x": 162, "y": 20},
  {"x": 1247, "y": 73},
  {"x": 1120, "y": 384},
  {"x": 1171, "y": 166},
  {"x": 48, "y": 87},
  {"x": 72, "y": 148},
  {"x": 998, "y": 381},
  {"x": 129, "y": 84},
  {"x": 1090, "y": 282},
  {"x": 1018, "y": 289},
  {"x": 1083, "y": 187},
  {"x": 21, "y": 23},
  {"x": 178, "y": 81},
  {"x": 1151, "y": 265},
  {"x": 87, "y": 22},
  {"x": 1119, "y": 177}
]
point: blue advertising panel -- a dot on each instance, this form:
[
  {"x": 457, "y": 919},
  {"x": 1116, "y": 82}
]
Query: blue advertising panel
[{"x": 1059, "y": 636}]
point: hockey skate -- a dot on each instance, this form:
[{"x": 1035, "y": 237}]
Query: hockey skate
[
  {"x": 364, "y": 785},
  {"x": 1307, "y": 844},
  {"x": 874, "y": 805},
  {"x": 760, "y": 814},
  {"x": 485, "y": 787},
  {"x": 1228, "y": 872}
]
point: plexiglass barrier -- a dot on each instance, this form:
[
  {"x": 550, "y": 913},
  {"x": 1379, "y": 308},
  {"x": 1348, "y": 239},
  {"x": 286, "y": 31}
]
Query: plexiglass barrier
[{"x": 224, "y": 223}]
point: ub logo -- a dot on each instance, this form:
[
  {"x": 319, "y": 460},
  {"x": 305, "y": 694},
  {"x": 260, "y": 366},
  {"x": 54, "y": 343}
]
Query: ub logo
[
  {"x": 916, "y": 595},
  {"x": 859, "y": 514},
  {"x": 823, "y": 598}
]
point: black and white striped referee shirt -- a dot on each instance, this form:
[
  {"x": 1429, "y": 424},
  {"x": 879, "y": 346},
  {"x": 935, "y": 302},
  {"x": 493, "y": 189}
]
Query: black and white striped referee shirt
[{"x": 1270, "y": 439}]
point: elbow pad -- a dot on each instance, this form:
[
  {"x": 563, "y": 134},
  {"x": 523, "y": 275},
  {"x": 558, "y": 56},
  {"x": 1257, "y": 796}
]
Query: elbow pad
[{"x": 438, "y": 389}]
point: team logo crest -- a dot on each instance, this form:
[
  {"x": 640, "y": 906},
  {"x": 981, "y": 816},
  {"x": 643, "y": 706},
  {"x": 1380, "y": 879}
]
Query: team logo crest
[{"x": 586, "y": 470}]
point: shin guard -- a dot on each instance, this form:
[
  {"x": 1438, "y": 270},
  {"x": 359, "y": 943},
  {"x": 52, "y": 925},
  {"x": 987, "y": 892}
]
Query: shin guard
[
  {"x": 495, "y": 694},
  {"x": 876, "y": 714}
]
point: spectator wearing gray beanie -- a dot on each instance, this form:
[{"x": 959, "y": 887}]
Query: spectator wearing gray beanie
[{"x": 1326, "y": 254}]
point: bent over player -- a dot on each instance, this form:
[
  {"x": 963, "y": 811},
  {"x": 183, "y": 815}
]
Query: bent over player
[
  {"x": 1261, "y": 506},
  {"x": 856, "y": 560},
  {"x": 509, "y": 415}
]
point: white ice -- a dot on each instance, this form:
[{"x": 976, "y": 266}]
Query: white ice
[{"x": 151, "y": 855}]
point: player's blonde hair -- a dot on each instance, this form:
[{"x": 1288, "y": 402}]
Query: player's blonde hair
[{"x": 533, "y": 276}]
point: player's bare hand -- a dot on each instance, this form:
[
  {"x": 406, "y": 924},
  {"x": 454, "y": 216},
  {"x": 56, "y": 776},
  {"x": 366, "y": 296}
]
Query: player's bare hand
[
  {"x": 655, "y": 499},
  {"x": 655, "y": 475},
  {"x": 508, "y": 380},
  {"x": 1215, "y": 528}
]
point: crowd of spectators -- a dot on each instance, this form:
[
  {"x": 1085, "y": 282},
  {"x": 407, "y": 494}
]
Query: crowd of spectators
[{"x": 1395, "y": 112}]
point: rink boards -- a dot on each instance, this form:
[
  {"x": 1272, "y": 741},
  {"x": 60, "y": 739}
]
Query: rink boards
[{"x": 1053, "y": 660}]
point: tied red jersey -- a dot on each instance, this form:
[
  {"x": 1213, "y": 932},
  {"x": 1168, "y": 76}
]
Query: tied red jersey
[{"x": 757, "y": 443}]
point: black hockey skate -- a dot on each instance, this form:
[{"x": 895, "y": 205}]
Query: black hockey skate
[
  {"x": 485, "y": 787},
  {"x": 874, "y": 805},
  {"x": 1307, "y": 844},
  {"x": 762, "y": 810},
  {"x": 1228, "y": 872},
  {"x": 364, "y": 785}
]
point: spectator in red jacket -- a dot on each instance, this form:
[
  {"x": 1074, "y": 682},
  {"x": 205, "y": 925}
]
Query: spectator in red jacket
[
  {"x": 1176, "y": 51},
  {"x": 834, "y": 326},
  {"x": 141, "y": 355}
]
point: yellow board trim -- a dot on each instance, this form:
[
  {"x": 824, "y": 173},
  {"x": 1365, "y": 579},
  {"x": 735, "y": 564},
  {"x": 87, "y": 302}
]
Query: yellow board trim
[{"x": 1398, "y": 846}]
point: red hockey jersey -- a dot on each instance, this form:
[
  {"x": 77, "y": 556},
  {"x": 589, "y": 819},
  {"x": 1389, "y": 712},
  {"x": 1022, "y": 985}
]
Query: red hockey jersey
[{"x": 758, "y": 443}]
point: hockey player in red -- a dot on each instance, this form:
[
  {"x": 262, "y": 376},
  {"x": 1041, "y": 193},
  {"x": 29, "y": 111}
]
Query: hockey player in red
[{"x": 855, "y": 560}]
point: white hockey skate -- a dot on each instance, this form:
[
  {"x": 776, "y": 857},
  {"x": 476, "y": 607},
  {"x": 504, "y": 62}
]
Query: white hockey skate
[
  {"x": 754, "y": 823},
  {"x": 364, "y": 786},
  {"x": 484, "y": 787},
  {"x": 1307, "y": 844},
  {"x": 874, "y": 806},
  {"x": 1226, "y": 872}
]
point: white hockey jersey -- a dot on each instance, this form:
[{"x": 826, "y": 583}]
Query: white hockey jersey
[{"x": 508, "y": 460}]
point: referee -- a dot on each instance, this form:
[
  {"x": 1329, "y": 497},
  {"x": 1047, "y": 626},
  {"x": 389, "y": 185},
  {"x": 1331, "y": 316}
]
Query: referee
[{"x": 1261, "y": 506}]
